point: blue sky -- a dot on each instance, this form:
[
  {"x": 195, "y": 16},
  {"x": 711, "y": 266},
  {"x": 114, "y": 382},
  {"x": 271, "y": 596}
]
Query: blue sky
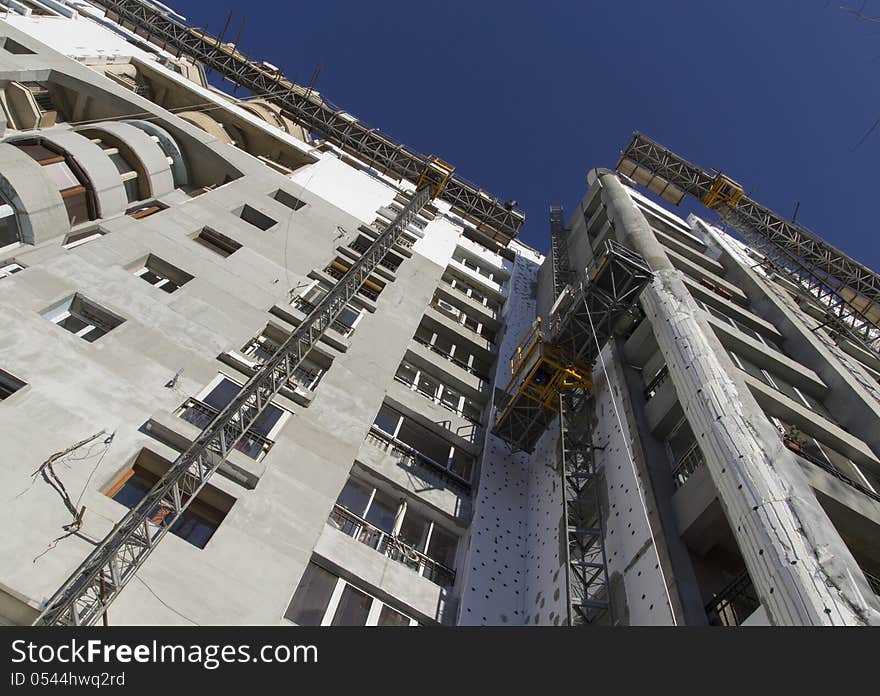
[{"x": 525, "y": 97}]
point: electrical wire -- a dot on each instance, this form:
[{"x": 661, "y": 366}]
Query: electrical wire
[
  {"x": 632, "y": 463},
  {"x": 165, "y": 604}
]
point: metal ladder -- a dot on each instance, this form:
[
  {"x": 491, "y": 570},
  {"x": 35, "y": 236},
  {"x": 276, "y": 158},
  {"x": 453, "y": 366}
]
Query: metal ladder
[{"x": 91, "y": 588}]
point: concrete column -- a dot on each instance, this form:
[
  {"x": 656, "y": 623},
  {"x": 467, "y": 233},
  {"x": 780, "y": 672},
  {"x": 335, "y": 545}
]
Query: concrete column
[{"x": 802, "y": 571}]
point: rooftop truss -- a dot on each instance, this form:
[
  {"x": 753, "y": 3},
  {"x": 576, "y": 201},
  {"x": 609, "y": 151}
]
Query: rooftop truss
[
  {"x": 846, "y": 289},
  {"x": 309, "y": 109}
]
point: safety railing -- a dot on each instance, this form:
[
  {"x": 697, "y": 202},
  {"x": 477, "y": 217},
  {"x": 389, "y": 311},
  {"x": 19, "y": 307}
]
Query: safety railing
[
  {"x": 687, "y": 465},
  {"x": 432, "y": 469},
  {"x": 201, "y": 414},
  {"x": 451, "y": 358},
  {"x": 734, "y": 603},
  {"x": 391, "y": 546}
]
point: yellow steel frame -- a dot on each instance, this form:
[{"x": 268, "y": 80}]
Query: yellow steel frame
[
  {"x": 724, "y": 191},
  {"x": 540, "y": 372},
  {"x": 436, "y": 175}
]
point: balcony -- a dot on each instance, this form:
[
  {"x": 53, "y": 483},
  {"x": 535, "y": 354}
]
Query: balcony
[
  {"x": 307, "y": 308},
  {"x": 390, "y": 261},
  {"x": 431, "y": 469},
  {"x": 451, "y": 358},
  {"x": 826, "y": 466},
  {"x": 415, "y": 386},
  {"x": 390, "y": 546}
]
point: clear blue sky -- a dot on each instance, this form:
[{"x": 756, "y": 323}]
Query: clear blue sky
[{"x": 525, "y": 97}]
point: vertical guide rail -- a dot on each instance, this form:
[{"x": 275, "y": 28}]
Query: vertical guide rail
[
  {"x": 92, "y": 587},
  {"x": 586, "y": 566}
]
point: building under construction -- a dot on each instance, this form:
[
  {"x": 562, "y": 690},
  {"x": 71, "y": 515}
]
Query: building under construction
[{"x": 262, "y": 364}]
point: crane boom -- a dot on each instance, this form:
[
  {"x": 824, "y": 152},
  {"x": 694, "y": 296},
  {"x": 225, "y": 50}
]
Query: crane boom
[
  {"x": 849, "y": 290},
  {"x": 497, "y": 220},
  {"x": 91, "y": 588}
]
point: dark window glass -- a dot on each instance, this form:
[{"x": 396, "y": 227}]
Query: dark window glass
[
  {"x": 382, "y": 511},
  {"x": 387, "y": 419},
  {"x": 414, "y": 530},
  {"x": 311, "y": 597},
  {"x": 442, "y": 547},
  {"x": 354, "y": 496},
  {"x": 354, "y": 606},
  {"x": 389, "y": 617}
]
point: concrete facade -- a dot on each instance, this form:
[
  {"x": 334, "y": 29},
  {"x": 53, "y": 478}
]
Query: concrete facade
[{"x": 161, "y": 249}]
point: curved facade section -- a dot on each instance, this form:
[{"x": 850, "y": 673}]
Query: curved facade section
[
  {"x": 37, "y": 204},
  {"x": 132, "y": 148},
  {"x": 169, "y": 147},
  {"x": 101, "y": 177}
]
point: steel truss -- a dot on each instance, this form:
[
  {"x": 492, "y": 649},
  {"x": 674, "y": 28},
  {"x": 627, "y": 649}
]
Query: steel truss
[
  {"x": 88, "y": 592},
  {"x": 314, "y": 113},
  {"x": 559, "y": 250},
  {"x": 586, "y": 564},
  {"x": 826, "y": 273}
]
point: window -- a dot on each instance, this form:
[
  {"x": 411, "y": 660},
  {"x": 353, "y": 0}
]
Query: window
[
  {"x": 9, "y": 385},
  {"x": 216, "y": 242},
  {"x": 259, "y": 437},
  {"x": 442, "y": 394},
  {"x": 9, "y": 231},
  {"x": 256, "y": 218},
  {"x": 67, "y": 177},
  {"x": 10, "y": 266},
  {"x": 75, "y": 239},
  {"x": 394, "y": 527},
  {"x": 12, "y": 46},
  {"x": 83, "y": 318},
  {"x": 141, "y": 211},
  {"x": 324, "y": 599},
  {"x": 196, "y": 524},
  {"x": 161, "y": 274},
  {"x": 285, "y": 198}
]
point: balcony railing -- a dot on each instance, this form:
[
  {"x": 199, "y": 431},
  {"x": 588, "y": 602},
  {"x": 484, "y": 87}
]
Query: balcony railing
[
  {"x": 432, "y": 469},
  {"x": 822, "y": 464},
  {"x": 201, "y": 414},
  {"x": 654, "y": 385},
  {"x": 738, "y": 600},
  {"x": 436, "y": 400},
  {"x": 451, "y": 358},
  {"x": 390, "y": 546},
  {"x": 687, "y": 465},
  {"x": 735, "y": 603},
  {"x": 307, "y": 307}
]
